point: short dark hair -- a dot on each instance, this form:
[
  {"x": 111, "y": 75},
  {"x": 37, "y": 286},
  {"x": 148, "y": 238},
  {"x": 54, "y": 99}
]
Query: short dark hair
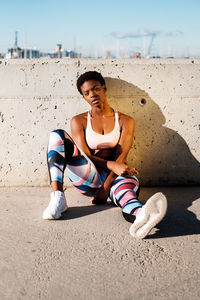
[{"x": 90, "y": 75}]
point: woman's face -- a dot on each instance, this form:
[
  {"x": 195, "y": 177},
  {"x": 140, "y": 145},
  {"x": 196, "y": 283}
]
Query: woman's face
[{"x": 93, "y": 92}]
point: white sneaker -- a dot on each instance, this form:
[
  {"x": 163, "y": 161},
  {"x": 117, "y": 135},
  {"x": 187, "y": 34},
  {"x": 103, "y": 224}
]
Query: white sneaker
[
  {"x": 56, "y": 207},
  {"x": 149, "y": 215}
]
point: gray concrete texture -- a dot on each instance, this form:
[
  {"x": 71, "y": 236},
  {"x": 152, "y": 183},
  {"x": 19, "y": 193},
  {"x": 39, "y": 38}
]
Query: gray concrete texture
[
  {"x": 38, "y": 96},
  {"x": 89, "y": 254}
]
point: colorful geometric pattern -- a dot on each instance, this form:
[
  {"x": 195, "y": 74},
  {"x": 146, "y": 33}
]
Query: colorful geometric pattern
[{"x": 63, "y": 154}]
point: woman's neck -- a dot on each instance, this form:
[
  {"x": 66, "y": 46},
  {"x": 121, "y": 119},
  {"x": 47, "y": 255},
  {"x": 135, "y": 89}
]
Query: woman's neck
[{"x": 103, "y": 110}]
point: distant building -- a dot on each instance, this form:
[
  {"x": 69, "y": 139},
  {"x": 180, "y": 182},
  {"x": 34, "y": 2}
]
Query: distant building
[
  {"x": 136, "y": 55},
  {"x": 22, "y": 53},
  {"x": 17, "y": 52},
  {"x": 58, "y": 47},
  {"x": 107, "y": 54},
  {"x": 61, "y": 53},
  {"x": 30, "y": 53},
  {"x": 14, "y": 52},
  {"x": 72, "y": 54}
]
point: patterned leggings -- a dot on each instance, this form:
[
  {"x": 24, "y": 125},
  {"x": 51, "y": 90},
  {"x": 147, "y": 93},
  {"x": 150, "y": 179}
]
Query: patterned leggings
[{"x": 64, "y": 154}]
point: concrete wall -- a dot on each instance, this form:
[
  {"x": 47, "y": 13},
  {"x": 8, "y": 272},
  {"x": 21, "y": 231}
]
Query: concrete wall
[{"x": 37, "y": 96}]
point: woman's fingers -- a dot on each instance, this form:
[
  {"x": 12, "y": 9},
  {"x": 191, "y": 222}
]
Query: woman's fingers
[
  {"x": 132, "y": 171},
  {"x": 135, "y": 171},
  {"x": 121, "y": 168}
]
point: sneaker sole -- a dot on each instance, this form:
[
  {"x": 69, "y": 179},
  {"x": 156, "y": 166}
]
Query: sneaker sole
[{"x": 154, "y": 211}]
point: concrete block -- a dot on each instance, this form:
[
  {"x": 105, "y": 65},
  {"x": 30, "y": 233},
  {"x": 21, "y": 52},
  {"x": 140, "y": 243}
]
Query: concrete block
[{"x": 163, "y": 96}]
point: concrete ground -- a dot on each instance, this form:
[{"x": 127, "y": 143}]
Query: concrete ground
[{"x": 89, "y": 254}]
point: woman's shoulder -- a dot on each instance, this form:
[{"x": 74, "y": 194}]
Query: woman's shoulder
[
  {"x": 80, "y": 116},
  {"x": 80, "y": 119},
  {"x": 126, "y": 123},
  {"x": 123, "y": 118}
]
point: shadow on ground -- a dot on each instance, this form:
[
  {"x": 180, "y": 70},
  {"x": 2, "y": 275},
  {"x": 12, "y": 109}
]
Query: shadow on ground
[
  {"x": 81, "y": 211},
  {"x": 179, "y": 221}
]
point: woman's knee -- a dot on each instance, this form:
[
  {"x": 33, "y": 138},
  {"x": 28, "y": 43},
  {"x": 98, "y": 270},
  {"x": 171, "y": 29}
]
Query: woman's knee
[
  {"x": 56, "y": 136},
  {"x": 131, "y": 176},
  {"x": 60, "y": 133},
  {"x": 134, "y": 181},
  {"x": 124, "y": 182},
  {"x": 126, "y": 178}
]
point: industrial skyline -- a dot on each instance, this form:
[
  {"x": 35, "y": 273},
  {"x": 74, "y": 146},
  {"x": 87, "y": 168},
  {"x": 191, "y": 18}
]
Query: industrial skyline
[{"x": 153, "y": 28}]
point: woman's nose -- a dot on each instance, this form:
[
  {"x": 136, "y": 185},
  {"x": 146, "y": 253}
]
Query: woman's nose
[{"x": 92, "y": 93}]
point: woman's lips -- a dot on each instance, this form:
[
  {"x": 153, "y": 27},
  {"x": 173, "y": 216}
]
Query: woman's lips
[{"x": 96, "y": 100}]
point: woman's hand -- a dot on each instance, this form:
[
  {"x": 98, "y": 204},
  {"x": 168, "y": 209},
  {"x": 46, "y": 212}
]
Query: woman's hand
[
  {"x": 121, "y": 168},
  {"x": 101, "y": 196}
]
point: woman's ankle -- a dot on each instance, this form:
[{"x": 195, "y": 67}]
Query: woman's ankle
[{"x": 57, "y": 186}]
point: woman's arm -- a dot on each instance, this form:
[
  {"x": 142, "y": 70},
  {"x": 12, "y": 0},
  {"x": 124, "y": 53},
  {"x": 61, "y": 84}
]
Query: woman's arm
[{"x": 119, "y": 166}]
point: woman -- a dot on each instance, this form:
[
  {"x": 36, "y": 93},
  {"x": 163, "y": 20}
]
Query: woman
[{"x": 95, "y": 160}]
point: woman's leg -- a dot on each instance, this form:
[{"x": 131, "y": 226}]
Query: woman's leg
[
  {"x": 124, "y": 193},
  {"x": 63, "y": 154},
  {"x": 57, "y": 155}
]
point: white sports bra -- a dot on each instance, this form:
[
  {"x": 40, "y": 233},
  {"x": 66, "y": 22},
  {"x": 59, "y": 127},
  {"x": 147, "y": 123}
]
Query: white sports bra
[{"x": 98, "y": 141}]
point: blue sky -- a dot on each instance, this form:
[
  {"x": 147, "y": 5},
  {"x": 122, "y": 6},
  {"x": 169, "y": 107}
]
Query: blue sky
[{"x": 95, "y": 26}]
